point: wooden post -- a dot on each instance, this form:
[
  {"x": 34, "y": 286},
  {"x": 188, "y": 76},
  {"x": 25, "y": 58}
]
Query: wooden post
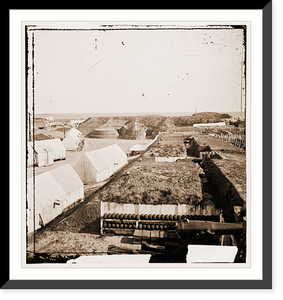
[{"x": 221, "y": 220}]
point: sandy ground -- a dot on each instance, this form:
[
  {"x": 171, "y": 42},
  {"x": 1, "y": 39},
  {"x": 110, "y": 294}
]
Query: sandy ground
[
  {"x": 62, "y": 242},
  {"x": 72, "y": 157}
]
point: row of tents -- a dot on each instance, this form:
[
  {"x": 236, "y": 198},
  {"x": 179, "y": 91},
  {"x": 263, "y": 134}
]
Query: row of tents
[
  {"x": 50, "y": 193},
  {"x": 44, "y": 152}
]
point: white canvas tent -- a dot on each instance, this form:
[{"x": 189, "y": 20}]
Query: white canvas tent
[
  {"x": 106, "y": 156},
  {"x": 98, "y": 165},
  {"x": 93, "y": 167},
  {"x": 115, "y": 155},
  {"x": 72, "y": 139},
  {"x": 44, "y": 155},
  {"x": 137, "y": 149},
  {"x": 44, "y": 200},
  {"x": 52, "y": 192},
  {"x": 69, "y": 180},
  {"x": 58, "y": 148}
]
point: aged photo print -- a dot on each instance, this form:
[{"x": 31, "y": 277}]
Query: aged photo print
[{"x": 136, "y": 144}]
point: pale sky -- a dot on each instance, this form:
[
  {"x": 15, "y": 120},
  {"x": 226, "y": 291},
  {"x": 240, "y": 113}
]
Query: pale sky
[{"x": 123, "y": 71}]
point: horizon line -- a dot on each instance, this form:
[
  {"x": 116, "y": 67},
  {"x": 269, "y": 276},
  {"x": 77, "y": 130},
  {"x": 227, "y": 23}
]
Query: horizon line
[{"x": 143, "y": 113}]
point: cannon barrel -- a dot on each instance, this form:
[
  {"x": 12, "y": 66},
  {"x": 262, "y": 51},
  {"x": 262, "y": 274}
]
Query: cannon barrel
[{"x": 216, "y": 227}]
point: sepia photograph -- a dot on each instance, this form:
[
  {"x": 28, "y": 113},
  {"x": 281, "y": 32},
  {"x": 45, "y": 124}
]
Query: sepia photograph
[{"x": 136, "y": 144}]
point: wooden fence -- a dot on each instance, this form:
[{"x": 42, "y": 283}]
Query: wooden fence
[{"x": 235, "y": 139}]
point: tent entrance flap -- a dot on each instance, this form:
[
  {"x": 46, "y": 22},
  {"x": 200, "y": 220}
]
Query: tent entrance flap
[
  {"x": 41, "y": 223},
  {"x": 56, "y": 202}
]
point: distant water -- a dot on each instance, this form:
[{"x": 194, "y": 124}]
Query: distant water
[
  {"x": 88, "y": 115},
  {"x": 77, "y": 116}
]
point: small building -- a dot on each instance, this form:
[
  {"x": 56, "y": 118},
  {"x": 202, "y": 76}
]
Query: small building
[
  {"x": 72, "y": 139},
  {"x": 76, "y": 123},
  {"x": 40, "y": 123}
]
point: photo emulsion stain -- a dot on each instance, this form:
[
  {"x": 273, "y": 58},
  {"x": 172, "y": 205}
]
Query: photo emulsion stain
[{"x": 136, "y": 145}]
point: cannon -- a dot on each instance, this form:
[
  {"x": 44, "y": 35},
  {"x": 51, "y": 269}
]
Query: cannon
[{"x": 185, "y": 226}]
